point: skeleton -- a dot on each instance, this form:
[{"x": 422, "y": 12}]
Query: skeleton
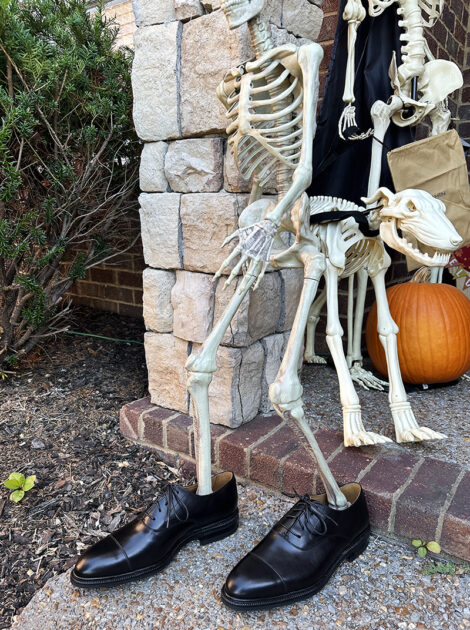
[
  {"x": 271, "y": 102},
  {"x": 410, "y": 213},
  {"x": 421, "y": 85}
]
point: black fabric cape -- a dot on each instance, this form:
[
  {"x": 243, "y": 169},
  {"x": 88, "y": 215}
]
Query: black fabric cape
[{"x": 341, "y": 168}]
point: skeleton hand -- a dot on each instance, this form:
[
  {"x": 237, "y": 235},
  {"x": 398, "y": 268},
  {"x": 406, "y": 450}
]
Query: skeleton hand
[{"x": 255, "y": 243}]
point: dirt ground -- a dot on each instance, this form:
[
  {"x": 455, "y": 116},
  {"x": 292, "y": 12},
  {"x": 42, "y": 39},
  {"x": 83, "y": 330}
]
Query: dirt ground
[{"x": 59, "y": 420}]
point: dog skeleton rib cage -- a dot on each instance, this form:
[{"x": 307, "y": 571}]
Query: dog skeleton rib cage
[{"x": 271, "y": 103}]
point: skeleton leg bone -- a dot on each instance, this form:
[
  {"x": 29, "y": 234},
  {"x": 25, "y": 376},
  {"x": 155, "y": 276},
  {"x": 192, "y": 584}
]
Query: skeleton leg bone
[
  {"x": 362, "y": 377},
  {"x": 354, "y": 431},
  {"x": 406, "y": 427},
  {"x": 201, "y": 367},
  {"x": 313, "y": 319},
  {"x": 286, "y": 391}
]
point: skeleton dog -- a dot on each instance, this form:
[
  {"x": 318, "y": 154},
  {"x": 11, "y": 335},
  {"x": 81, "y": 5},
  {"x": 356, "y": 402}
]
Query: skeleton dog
[{"x": 349, "y": 248}]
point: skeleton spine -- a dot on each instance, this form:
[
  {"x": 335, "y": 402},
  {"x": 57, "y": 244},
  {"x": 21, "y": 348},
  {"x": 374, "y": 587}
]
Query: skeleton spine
[
  {"x": 413, "y": 52},
  {"x": 262, "y": 43}
]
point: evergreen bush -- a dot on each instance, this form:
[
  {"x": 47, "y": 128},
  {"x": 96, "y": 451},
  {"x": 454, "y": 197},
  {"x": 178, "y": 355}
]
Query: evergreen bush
[{"x": 68, "y": 161}]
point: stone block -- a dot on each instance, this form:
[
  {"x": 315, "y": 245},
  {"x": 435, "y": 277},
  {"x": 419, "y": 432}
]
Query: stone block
[
  {"x": 208, "y": 50},
  {"x": 150, "y": 12},
  {"x": 158, "y": 312},
  {"x": 192, "y": 299},
  {"x": 166, "y": 356},
  {"x": 258, "y": 314},
  {"x": 235, "y": 390},
  {"x": 159, "y": 217},
  {"x": 195, "y": 165},
  {"x": 302, "y": 18},
  {"x": 237, "y": 333},
  {"x": 272, "y": 11},
  {"x": 188, "y": 9},
  {"x": 152, "y": 163},
  {"x": 265, "y": 307},
  {"x": 234, "y": 182},
  {"x": 207, "y": 219},
  {"x": 211, "y": 5},
  {"x": 154, "y": 82},
  {"x": 292, "y": 282},
  {"x": 273, "y": 350}
]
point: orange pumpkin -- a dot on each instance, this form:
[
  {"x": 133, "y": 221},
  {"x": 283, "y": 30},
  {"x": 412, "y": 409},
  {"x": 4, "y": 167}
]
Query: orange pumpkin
[{"x": 434, "y": 337}]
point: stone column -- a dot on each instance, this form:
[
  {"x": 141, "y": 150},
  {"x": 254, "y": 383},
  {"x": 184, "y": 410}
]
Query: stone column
[{"x": 191, "y": 199}]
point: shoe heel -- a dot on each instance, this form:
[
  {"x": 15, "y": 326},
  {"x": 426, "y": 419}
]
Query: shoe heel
[
  {"x": 358, "y": 547},
  {"x": 222, "y": 531}
]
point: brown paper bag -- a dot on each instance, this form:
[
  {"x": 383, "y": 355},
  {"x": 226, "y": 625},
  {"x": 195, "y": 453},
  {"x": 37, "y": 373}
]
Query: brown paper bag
[{"x": 436, "y": 165}]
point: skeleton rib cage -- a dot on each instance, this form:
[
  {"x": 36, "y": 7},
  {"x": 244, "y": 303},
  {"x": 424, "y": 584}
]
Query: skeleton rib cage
[
  {"x": 356, "y": 247},
  {"x": 266, "y": 130}
]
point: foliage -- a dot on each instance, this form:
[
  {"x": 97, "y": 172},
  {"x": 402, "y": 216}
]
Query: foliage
[
  {"x": 446, "y": 568},
  {"x": 68, "y": 160},
  {"x": 19, "y": 484},
  {"x": 424, "y": 547}
]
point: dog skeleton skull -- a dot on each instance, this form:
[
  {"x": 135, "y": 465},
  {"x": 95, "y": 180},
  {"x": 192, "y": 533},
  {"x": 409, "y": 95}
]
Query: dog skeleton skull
[{"x": 417, "y": 215}]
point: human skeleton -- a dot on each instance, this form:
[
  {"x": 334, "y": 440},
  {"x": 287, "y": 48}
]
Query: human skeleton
[
  {"x": 421, "y": 85},
  {"x": 271, "y": 103}
]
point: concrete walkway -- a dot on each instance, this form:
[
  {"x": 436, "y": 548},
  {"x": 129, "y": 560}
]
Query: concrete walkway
[{"x": 383, "y": 589}]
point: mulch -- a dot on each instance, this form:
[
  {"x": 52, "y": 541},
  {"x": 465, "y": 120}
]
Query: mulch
[{"x": 59, "y": 420}]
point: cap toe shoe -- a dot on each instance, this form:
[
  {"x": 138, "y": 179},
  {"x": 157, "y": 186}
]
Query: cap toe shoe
[
  {"x": 147, "y": 544},
  {"x": 300, "y": 553}
]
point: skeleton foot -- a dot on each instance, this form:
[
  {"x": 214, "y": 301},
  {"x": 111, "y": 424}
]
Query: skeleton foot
[
  {"x": 366, "y": 379},
  {"x": 314, "y": 358},
  {"x": 406, "y": 427},
  {"x": 466, "y": 377},
  {"x": 355, "y": 433}
]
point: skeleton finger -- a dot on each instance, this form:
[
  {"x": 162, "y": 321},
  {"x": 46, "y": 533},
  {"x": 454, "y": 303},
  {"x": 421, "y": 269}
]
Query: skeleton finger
[
  {"x": 261, "y": 274},
  {"x": 236, "y": 269},
  {"x": 227, "y": 261},
  {"x": 229, "y": 238}
]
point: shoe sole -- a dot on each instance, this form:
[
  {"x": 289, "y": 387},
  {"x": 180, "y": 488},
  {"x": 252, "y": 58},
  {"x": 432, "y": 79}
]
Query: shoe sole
[
  {"x": 350, "y": 554},
  {"x": 205, "y": 535}
]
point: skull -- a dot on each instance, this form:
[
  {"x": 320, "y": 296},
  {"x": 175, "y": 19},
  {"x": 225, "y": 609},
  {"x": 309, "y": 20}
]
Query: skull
[
  {"x": 238, "y": 12},
  {"x": 413, "y": 219}
]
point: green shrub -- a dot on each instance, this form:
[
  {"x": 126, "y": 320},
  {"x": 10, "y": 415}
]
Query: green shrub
[{"x": 68, "y": 161}]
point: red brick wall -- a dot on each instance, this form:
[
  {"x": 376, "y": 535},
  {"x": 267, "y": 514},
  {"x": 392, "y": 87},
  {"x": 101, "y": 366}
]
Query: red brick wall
[{"x": 118, "y": 287}]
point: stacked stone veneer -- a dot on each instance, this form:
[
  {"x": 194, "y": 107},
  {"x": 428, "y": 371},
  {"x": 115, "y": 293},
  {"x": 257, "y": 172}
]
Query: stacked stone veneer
[{"x": 191, "y": 200}]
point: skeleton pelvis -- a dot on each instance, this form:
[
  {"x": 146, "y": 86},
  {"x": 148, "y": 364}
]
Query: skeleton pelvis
[{"x": 439, "y": 79}]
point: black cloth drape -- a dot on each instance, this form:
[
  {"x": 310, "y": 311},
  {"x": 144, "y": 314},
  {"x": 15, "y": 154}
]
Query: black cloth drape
[{"x": 341, "y": 168}]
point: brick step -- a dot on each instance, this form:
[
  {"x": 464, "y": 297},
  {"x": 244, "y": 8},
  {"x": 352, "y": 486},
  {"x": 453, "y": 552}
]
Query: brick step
[{"x": 408, "y": 496}]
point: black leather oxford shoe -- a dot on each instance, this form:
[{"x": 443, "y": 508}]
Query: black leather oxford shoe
[
  {"x": 147, "y": 544},
  {"x": 300, "y": 553}
]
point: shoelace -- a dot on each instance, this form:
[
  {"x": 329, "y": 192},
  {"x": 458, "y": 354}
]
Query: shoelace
[
  {"x": 172, "y": 500},
  {"x": 307, "y": 507}
]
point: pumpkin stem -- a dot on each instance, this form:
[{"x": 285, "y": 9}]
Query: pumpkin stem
[{"x": 422, "y": 275}]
